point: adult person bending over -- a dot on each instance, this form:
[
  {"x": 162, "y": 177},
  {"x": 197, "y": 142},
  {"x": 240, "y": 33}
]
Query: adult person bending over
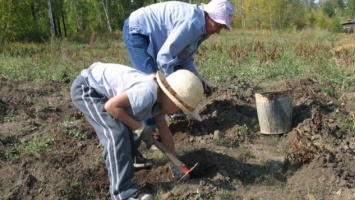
[
  {"x": 165, "y": 36},
  {"x": 116, "y": 99}
]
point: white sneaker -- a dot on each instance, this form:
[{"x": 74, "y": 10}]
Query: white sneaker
[
  {"x": 139, "y": 162},
  {"x": 140, "y": 196},
  {"x": 179, "y": 116}
]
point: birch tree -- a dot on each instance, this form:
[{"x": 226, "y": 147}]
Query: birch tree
[
  {"x": 51, "y": 20},
  {"x": 105, "y": 4}
]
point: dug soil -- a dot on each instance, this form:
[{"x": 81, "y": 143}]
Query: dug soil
[{"x": 49, "y": 151}]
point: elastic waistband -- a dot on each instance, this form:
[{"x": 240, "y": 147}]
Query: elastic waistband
[{"x": 85, "y": 73}]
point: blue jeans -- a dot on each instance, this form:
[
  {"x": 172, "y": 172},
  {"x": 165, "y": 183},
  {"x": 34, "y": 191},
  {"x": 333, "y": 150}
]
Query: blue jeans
[{"x": 137, "y": 45}]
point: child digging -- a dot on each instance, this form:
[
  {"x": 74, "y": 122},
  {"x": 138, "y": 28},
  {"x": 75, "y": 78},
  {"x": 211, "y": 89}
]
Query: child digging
[{"x": 116, "y": 99}]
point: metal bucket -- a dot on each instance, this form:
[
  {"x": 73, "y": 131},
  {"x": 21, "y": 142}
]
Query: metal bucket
[{"x": 274, "y": 111}]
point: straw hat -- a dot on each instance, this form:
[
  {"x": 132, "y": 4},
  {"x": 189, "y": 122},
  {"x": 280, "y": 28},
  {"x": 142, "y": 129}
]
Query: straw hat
[{"x": 184, "y": 88}]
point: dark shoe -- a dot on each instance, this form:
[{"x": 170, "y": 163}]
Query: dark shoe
[
  {"x": 140, "y": 196},
  {"x": 139, "y": 162}
]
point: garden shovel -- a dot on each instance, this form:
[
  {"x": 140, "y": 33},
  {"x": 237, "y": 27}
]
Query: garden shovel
[{"x": 174, "y": 160}]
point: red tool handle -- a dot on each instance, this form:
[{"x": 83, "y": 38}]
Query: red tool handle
[{"x": 184, "y": 169}]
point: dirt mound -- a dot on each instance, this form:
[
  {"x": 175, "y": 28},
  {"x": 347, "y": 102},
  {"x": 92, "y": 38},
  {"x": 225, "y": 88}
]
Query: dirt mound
[{"x": 49, "y": 151}]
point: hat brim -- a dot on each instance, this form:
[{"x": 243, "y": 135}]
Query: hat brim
[
  {"x": 160, "y": 79},
  {"x": 228, "y": 26}
]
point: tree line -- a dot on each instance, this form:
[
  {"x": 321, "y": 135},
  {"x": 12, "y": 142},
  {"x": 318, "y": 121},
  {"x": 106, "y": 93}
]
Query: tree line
[{"x": 39, "y": 20}]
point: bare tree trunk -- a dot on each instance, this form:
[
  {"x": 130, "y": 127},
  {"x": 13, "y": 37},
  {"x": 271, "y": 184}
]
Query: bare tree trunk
[
  {"x": 51, "y": 20},
  {"x": 80, "y": 23},
  {"x": 64, "y": 26},
  {"x": 58, "y": 28},
  {"x": 63, "y": 19},
  {"x": 105, "y": 5},
  {"x": 33, "y": 12},
  {"x": 34, "y": 16},
  {"x": 242, "y": 14}
]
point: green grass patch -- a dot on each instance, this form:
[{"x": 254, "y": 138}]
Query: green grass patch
[
  {"x": 71, "y": 129},
  {"x": 36, "y": 146}
]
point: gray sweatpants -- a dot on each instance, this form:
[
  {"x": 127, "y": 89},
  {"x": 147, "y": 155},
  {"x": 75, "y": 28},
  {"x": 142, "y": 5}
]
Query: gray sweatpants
[{"x": 117, "y": 139}]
